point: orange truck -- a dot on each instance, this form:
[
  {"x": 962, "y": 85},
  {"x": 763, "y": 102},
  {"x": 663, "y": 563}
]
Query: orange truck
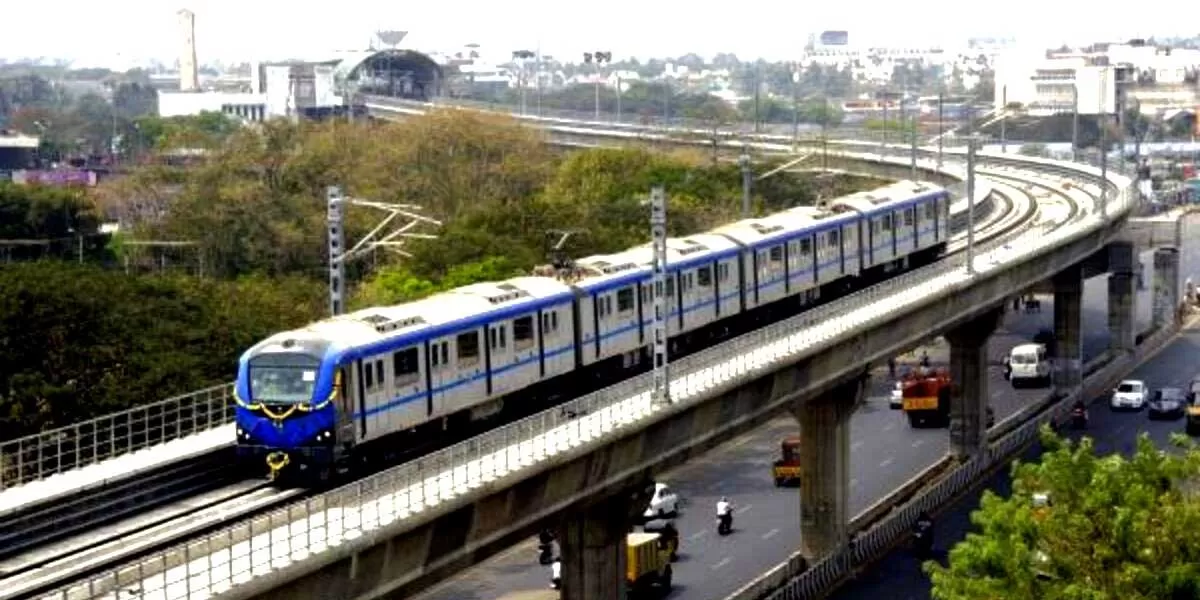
[{"x": 925, "y": 398}]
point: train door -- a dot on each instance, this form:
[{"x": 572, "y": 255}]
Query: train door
[
  {"x": 440, "y": 374},
  {"x": 344, "y": 405}
]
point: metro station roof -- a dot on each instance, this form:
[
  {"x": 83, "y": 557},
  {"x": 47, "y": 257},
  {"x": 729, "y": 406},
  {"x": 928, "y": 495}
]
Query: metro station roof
[{"x": 351, "y": 62}]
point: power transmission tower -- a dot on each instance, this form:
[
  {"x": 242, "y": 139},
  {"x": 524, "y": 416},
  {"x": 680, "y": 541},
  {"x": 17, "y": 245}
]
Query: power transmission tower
[{"x": 392, "y": 241}]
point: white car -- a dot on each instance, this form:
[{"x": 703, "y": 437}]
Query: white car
[
  {"x": 1130, "y": 393},
  {"x": 896, "y": 402},
  {"x": 664, "y": 502}
]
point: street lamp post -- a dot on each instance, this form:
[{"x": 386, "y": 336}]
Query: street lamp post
[
  {"x": 599, "y": 58},
  {"x": 971, "y": 142},
  {"x": 521, "y": 58},
  {"x": 1075, "y": 122}
]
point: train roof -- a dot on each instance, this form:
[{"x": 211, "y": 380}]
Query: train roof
[
  {"x": 772, "y": 227},
  {"x": 878, "y": 199},
  {"x": 603, "y": 270},
  {"x": 378, "y": 323}
]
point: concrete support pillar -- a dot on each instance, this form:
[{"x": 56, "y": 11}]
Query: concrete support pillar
[
  {"x": 592, "y": 544},
  {"x": 1068, "y": 327},
  {"x": 1122, "y": 297},
  {"x": 825, "y": 468},
  {"x": 969, "y": 393},
  {"x": 1166, "y": 286}
]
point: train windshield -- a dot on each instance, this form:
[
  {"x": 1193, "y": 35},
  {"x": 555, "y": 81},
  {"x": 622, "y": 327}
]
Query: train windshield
[{"x": 283, "y": 378}]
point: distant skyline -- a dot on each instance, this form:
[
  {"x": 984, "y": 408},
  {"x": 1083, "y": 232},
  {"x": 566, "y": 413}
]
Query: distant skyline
[{"x": 117, "y": 33}]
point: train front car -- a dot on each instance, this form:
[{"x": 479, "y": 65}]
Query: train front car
[{"x": 287, "y": 409}]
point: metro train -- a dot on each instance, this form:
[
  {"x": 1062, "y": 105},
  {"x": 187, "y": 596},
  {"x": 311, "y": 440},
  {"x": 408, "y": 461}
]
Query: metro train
[{"x": 341, "y": 393}]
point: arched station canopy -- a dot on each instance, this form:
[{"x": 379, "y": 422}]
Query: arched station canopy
[{"x": 392, "y": 73}]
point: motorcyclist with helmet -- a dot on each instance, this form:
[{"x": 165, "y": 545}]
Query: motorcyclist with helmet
[{"x": 724, "y": 516}]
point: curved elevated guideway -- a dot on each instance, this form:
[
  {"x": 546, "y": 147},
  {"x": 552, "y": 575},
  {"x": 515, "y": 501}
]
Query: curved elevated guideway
[
  {"x": 225, "y": 559},
  {"x": 885, "y": 453},
  {"x": 266, "y": 545}
]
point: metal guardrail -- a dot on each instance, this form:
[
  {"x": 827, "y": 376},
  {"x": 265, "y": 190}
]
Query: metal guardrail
[
  {"x": 41, "y": 455},
  {"x": 397, "y": 499}
]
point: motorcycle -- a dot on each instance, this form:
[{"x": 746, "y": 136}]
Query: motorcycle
[
  {"x": 725, "y": 523},
  {"x": 923, "y": 540},
  {"x": 545, "y": 548},
  {"x": 1079, "y": 418}
]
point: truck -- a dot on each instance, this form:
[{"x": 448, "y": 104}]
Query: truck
[
  {"x": 786, "y": 470},
  {"x": 926, "y": 398},
  {"x": 647, "y": 565},
  {"x": 1193, "y": 407}
]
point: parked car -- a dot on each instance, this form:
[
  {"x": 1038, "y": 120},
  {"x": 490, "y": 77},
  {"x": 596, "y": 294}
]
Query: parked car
[
  {"x": 664, "y": 502},
  {"x": 1167, "y": 403},
  {"x": 1130, "y": 393},
  {"x": 896, "y": 402}
]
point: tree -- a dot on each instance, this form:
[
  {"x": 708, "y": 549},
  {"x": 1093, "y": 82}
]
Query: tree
[{"x": 1114, "y": 527}]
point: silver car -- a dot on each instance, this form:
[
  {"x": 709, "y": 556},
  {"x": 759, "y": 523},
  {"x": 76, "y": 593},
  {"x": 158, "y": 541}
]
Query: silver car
[{"x": 1167, "y": 403}]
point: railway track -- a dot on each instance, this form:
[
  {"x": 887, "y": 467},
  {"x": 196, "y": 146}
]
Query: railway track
[{"x": 102, "y": 549}]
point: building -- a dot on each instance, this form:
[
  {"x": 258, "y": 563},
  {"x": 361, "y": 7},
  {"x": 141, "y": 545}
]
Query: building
[
  {"x": 17, "y": 151},
  {"x": 1149, "y": 79},
  {"x": 287, "y": 89}
]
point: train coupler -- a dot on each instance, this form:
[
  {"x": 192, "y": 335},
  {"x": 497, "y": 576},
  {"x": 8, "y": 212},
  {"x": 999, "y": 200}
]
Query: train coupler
[{"x": 276, "y": 462}]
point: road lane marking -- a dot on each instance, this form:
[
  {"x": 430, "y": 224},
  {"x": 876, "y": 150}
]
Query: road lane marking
[
  {"x": 697, "y": 535},
  {"x": 742, "y": 509},
  {"x": 885, "y": 463},
  {"x": 770, "y": 534},
  {"x": 918, "y": 443},
  {"x": 855, "y": 446},
  {"x": 997, "y": 394},
  {"x": 889, "y": 427},
  {"x": 720, "y": 563}
]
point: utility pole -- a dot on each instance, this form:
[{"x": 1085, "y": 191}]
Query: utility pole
[
  {"x": 1075, "y": 122},
  {"x": 795, "y": 104},
  {"x": 941, "y": 133},
  {"x": 757, "y": 90},
  {"x": 744, "y": 161},
  {"x": 597, "y": 58},
  {"x": 336, "y": 202},
  {"x": 1004, "y": 120},
  {"x": 1104, "y": 146},
  {"x": 971, "y": 203},
  {"x": 337, "y": 243},
  {"x": 658, "y": 234},
  {"x": 912, "y": 165}
]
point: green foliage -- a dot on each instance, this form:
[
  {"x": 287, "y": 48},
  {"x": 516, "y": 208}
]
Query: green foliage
[
  {"x": 47, "y": 221},
  {"x": 79, "y": 341},
  {"x": 1117, "y": 528}
]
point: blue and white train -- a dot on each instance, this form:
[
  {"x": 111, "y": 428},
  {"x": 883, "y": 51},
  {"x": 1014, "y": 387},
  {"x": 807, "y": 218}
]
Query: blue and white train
[{"x": 396, "y": 380}]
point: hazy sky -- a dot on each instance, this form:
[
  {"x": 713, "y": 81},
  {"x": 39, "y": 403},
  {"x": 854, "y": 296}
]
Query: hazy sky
[{"x": 115, "y": 31}]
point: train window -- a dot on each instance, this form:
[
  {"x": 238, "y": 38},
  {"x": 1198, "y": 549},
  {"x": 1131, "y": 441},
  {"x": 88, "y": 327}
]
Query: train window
[
  {"x": 434, "y": 356},
  {"x": 805, "y": 247},
  {"x": 704, "y": 274},
  {"x": 777, "y": 254},
  {"x": 908, "y": 216},
  {"x": 523, "y": 329},
  {"x": 931, "y": 210},
  {"x": 723, "y": 271},
  {"x": 379, "y": 371},
  {"x": 503, "y": 341},
  {"x": 405, "y": 366},
  {"x": 368, "y": 376},
  {"x": 887, "y": 223},
  {"x": 834, "y": 237},
  {"x": 625, "y": 300},
  {"x": 670, "y": 287},
  {"x": 445, "y": 353},
  {"x": 468, "y": 345},
  {"x": 554, "y": 321}
]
